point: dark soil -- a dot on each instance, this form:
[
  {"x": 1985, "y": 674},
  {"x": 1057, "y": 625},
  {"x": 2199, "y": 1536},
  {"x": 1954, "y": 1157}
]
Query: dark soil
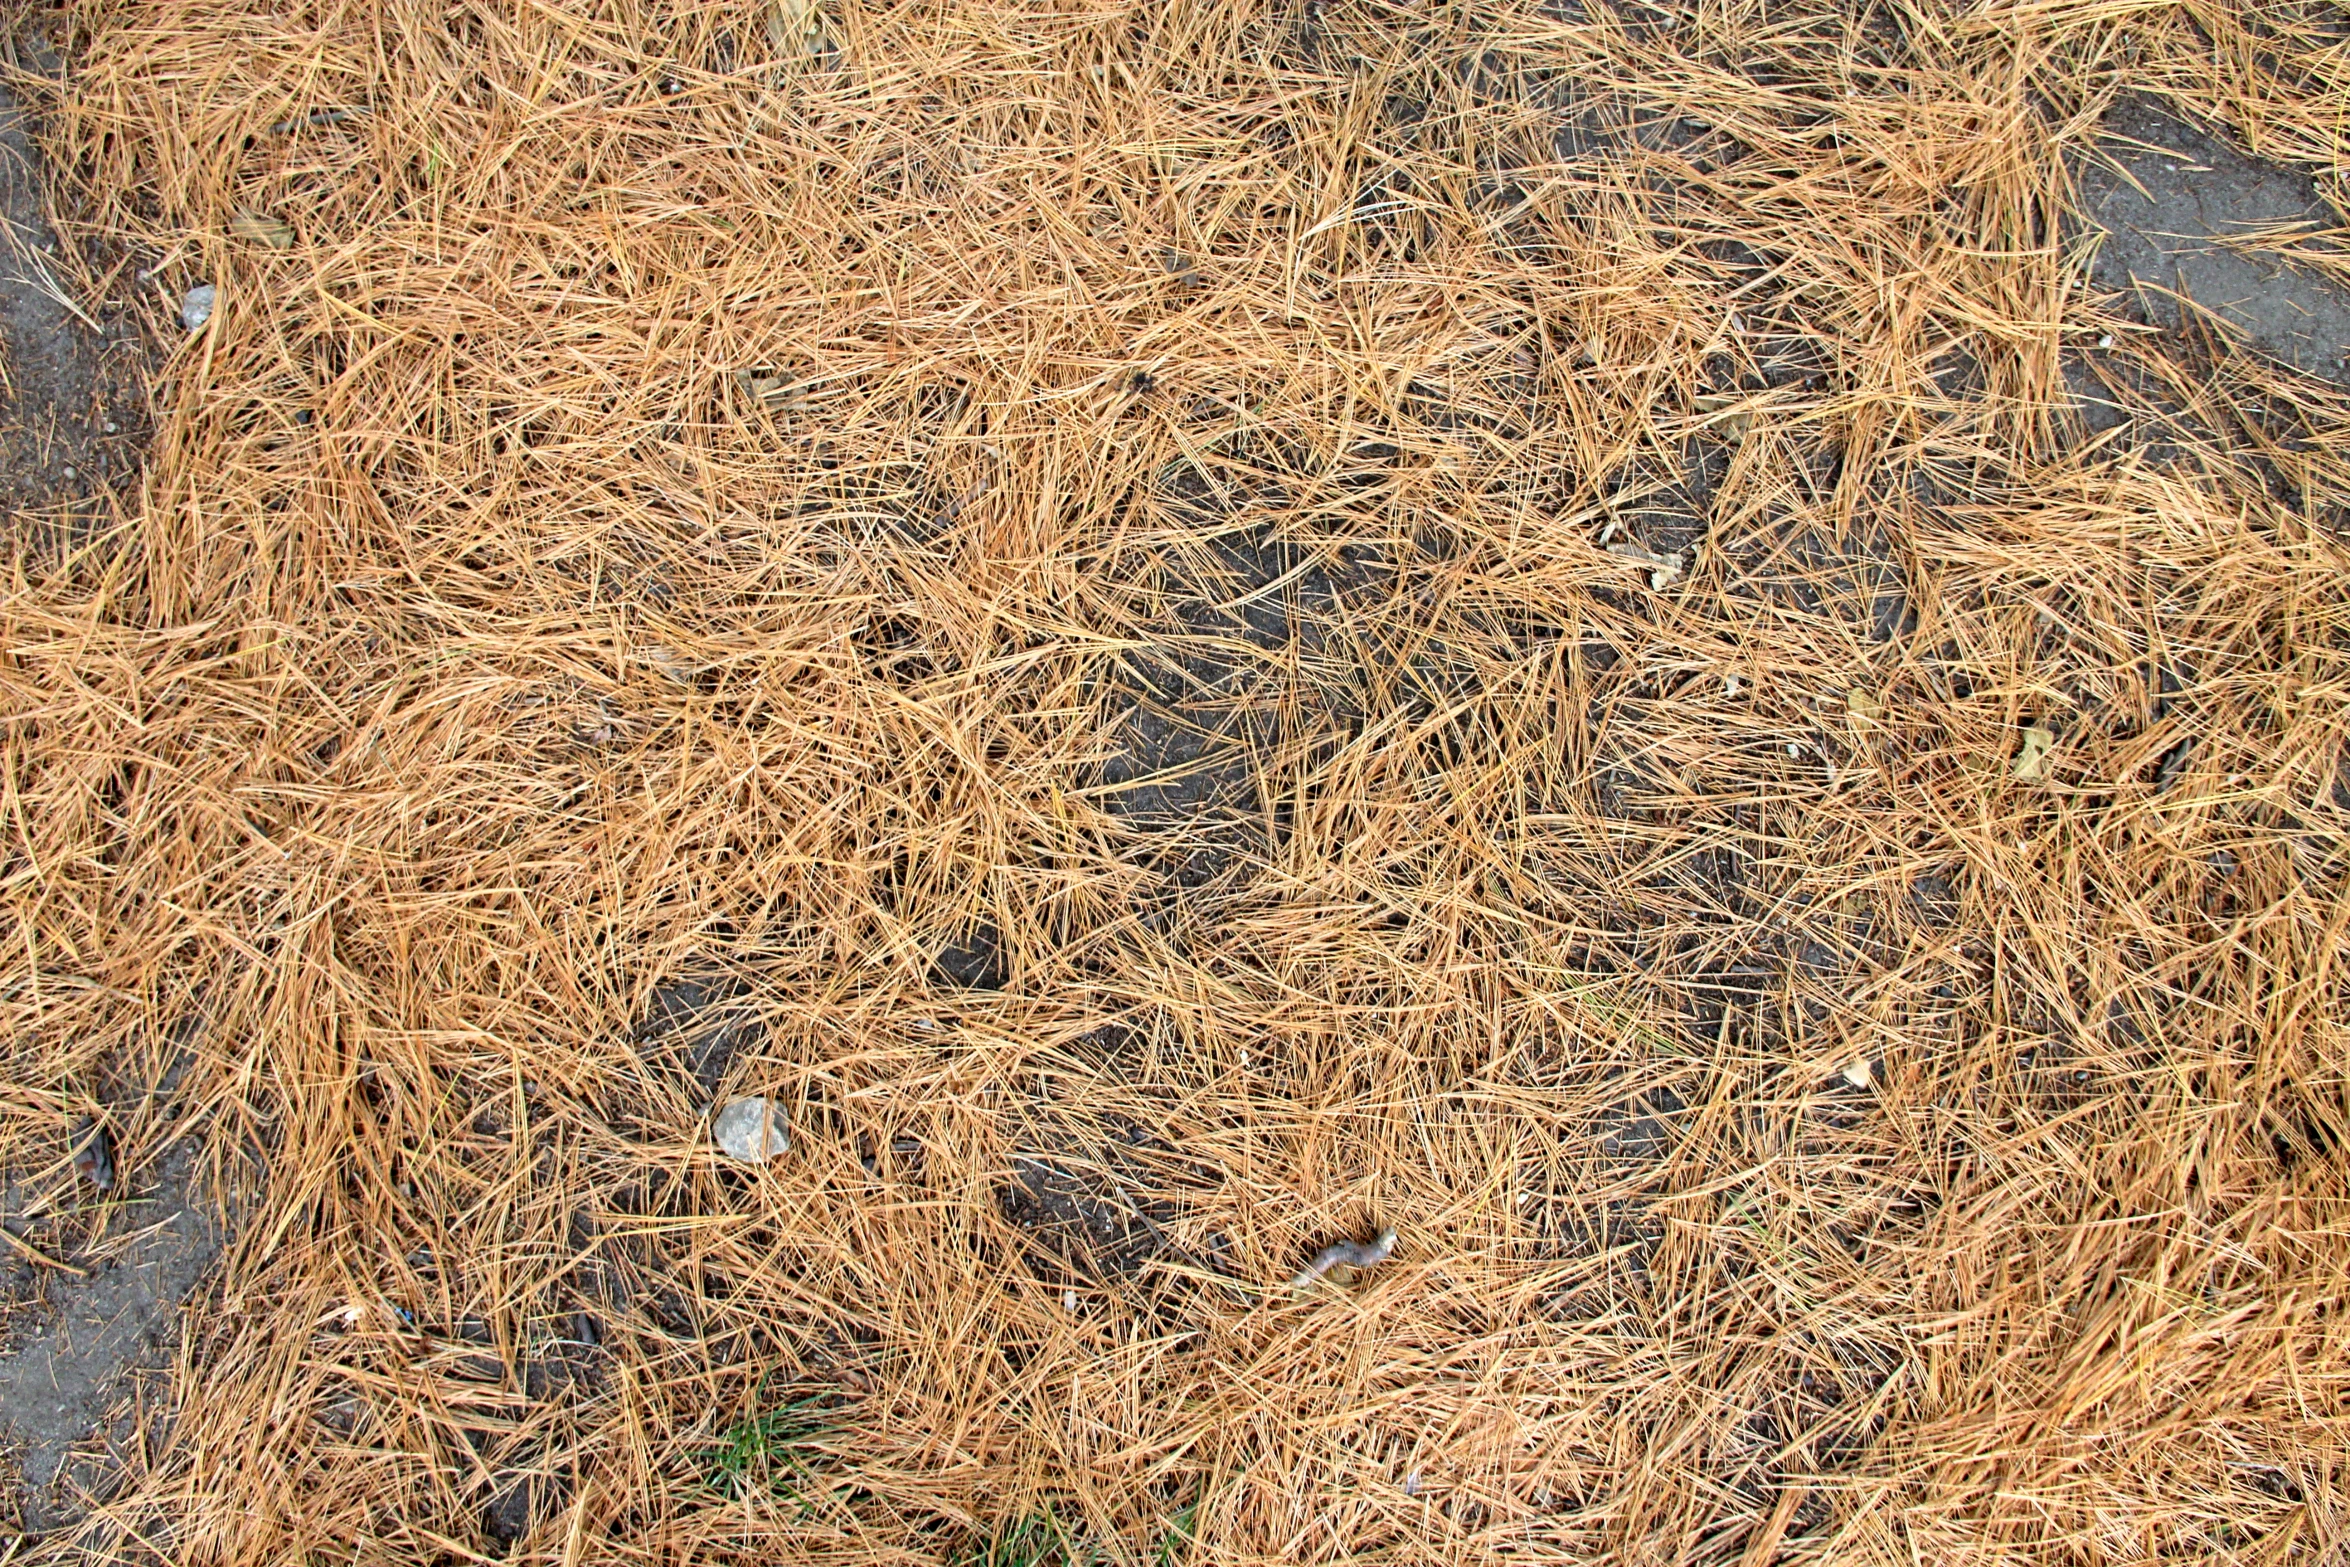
[
  {"x": 1082, "y": 1217},
  {"x": 696, "y": 1023},
  {"x": 91, "y": 1282},
  {"x": 2178, "y": 190},
  {"x": 1212, "y": 703},
  {"x": 77, "y": 1338},
  {"x": 1092, "y": 1203},
  {"x": 73, "y": 401}
]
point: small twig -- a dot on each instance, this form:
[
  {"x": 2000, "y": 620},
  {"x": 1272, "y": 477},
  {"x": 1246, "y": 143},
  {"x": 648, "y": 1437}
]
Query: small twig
[{"x": 1662, "y": 568}]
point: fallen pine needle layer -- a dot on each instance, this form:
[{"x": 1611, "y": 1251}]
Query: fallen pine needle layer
[{"x": 1185, "y": 631}]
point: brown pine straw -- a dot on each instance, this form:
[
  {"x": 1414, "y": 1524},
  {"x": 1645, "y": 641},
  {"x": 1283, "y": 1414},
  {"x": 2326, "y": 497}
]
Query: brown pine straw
[{"x": 700, "y": 500}]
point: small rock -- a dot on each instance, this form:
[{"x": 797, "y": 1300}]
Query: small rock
[
  {"x": 750, "y": 1130},
  {"x": 1858, "y": 1073},
  {"x": 112, "y": 428},
  {"x": 196, "y": 309}
]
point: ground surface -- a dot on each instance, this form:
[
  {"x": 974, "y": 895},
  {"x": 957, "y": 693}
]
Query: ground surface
[
  {"x": 72, "y": 409},
  {"x": 74, "y": 1337},
  {"x": 1188, "y": 636},
  {"x": 2169, "y": 201},
  {"x": 104, "y": 1303}
]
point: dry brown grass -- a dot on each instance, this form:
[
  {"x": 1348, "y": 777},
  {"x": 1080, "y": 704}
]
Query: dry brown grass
[{"x": 483, "y": 655}]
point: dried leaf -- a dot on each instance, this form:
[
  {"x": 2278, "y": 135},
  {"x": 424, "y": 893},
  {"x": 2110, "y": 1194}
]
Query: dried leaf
[
  {"x": 261, "y": 229},
  {"x": 794, "y": 28},
  {"x": 2031, "y": 758},
  {"x": 767, "y": 388},
  {"x": 1863, "y": 706}
]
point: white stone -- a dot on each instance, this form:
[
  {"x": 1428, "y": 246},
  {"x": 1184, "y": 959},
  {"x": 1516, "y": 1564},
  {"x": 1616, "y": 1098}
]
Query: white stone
[
  {"x": 196, "y": 309},
  {"x": 751, "y": 1130}
]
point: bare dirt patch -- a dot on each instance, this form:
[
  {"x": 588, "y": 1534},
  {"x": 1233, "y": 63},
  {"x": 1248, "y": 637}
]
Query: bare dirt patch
[
  {"x": 92, "y": 1280},
  {"x": 73, "y": 408},
  {"x": 2183, "y": 211},
  {"x": 100, "y": 1305}
]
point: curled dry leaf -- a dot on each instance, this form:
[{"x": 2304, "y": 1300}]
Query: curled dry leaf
[
  {"x": 2031, "y": 758},
  {"x": 1861, "y": 705},
  {"x": 1340, "y": 1263}
]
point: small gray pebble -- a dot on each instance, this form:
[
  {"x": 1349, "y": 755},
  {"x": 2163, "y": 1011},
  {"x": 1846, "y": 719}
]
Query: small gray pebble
[
  {"x": 196, "y": 309},
  {"x": 72, "y": 472},
  {"x": 112, "y": 428},
  {"x": 750, "y": 1130}
]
